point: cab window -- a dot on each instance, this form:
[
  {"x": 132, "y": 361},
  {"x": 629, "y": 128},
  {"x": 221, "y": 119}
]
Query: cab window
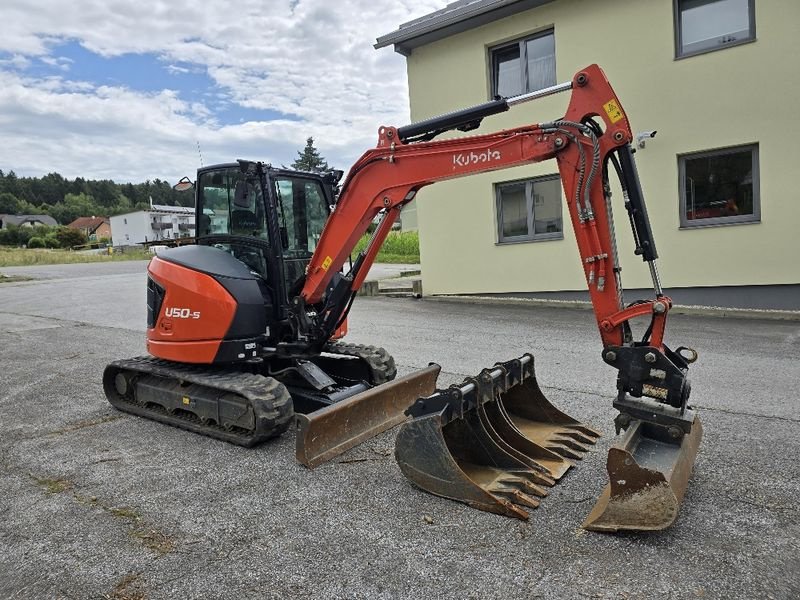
[
  {"x": 231, "y": 204},
  {"x": 303, "y": 212}
]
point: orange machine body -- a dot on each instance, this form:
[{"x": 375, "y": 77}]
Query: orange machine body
[
  {"x": 193, "y": 317},
  {"x": 204, "y": 306}
]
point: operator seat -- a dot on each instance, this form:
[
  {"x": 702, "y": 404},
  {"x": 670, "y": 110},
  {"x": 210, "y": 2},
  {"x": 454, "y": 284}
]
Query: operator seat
[{"x": 243, "y": 220}]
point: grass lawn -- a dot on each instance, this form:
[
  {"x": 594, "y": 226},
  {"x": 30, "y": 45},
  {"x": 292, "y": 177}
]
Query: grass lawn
[
  {"x": 18, "y": 257},
  {"x": 400, "y": 247}
]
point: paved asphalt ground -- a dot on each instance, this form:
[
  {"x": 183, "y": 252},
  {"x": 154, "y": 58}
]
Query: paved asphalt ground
[{"x": 98, "y": 504}]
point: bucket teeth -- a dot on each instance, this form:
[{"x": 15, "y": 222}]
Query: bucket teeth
[
  {"x": 494, "y": 442},
  {"x": 533, "y": 489},
  {"x": 564, "y": 451},
  {"x": 569, "y": 442},
  {"x": 579, "y": 436},
  {"x": 517, "y": 497}
]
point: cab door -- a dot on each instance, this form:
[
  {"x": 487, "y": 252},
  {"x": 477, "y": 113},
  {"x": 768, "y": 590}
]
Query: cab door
[{"x": 303, "y": 211}]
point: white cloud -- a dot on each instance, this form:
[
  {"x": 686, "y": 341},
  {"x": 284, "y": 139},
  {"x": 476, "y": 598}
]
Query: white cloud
[{"x": 312, "y": 60}]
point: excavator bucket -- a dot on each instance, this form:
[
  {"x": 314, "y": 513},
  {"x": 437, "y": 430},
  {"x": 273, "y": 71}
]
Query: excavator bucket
[
  {"x": 494, "y": 442},
  {"x": 648, "y": 471},
  {"x": 330, "y": 431}
]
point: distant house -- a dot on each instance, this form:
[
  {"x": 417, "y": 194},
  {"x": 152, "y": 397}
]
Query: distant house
[
  {"x": 93, "y": 227},
  {"x": 157, "y": 224},
  {"x": 26, "y": 220}
]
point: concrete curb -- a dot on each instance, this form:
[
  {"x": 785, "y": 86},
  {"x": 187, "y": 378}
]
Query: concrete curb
[{"x": 705, "y": 311}]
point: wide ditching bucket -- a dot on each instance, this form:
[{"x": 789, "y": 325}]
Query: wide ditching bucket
[
  {"x": 648, "y": 472},
  {"x": 494, "y": 442}
]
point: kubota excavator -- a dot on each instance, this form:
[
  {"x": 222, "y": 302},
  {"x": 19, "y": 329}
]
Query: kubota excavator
[{"x": 243, "y": 326}]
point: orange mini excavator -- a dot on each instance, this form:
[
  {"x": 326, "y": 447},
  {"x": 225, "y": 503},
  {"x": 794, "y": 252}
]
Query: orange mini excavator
[{"x": 244, "y": 325}]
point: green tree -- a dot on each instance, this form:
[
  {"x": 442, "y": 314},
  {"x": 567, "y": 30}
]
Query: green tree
[
  {"x": 74, "y": 206},
  {"x": 309, "y": 159},
  {"x": 9, "y": 204}
]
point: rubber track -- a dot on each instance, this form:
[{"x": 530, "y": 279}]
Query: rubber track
[
  {"x": 270, "y": 400},
  {"x": 380, "y": 362}
]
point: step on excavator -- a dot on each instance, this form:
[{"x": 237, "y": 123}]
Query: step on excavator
[{"x": 245, "y": 324}]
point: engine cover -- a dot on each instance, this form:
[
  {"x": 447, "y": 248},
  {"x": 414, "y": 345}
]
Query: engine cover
[{"x": 204, "y": 306}]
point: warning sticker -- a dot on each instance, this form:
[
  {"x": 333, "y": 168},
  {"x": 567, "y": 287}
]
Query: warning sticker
[
  {"x": 326, "y": 263},
  {"x": 613, "y": 111}
]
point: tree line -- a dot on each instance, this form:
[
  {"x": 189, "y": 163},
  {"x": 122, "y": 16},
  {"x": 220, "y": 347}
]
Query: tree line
[{"x": 65, "y": 200}]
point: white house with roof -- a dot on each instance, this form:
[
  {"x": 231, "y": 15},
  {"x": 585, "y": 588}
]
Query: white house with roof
[{"x": 160, "y": 223}]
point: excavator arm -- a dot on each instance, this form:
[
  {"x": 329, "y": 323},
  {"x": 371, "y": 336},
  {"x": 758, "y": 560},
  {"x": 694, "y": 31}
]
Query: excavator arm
[
  {"x": 593, "y": 134},
  {"x": 495, "y": 442}
]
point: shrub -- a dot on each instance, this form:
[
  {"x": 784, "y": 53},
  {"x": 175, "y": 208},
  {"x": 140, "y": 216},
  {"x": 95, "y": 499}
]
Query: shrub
[
  {"x": 67, "y": 237},
  {"x": 36, "y": 242},
  {"x": 51, "y": 241}
]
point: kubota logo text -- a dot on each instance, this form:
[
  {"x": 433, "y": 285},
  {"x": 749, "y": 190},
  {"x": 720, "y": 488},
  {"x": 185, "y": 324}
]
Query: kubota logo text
[
  {"x": 473, "y": 158},
  {"x": 181, "y": 313}
]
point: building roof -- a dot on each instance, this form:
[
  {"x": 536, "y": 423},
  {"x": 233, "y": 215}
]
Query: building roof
[
  {"x": 454, "y": 18},
  {"x": 88, "y": 223},
  {"x": 173, "y": 209},
  {"x": 32, "y": 219},
  {"x": 162, "y": 208}
]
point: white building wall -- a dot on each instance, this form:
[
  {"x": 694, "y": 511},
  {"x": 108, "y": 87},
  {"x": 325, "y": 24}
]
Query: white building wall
[
  {"x": 129, "y": 229},
  {"x": 143, "y": 226}
]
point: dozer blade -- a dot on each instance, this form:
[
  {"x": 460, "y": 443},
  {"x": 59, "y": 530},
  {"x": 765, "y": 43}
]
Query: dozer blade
[
  {"x": 464, "y": 442},
  {"x": 648, "y": 472},
  {"x": 330, "y": 431}
]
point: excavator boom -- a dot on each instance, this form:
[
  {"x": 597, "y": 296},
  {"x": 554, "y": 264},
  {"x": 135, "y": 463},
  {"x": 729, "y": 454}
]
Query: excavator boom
[{"x": 526, "y": 442}]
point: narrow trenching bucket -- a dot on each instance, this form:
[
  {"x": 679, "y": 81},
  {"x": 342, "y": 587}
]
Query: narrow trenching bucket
[
  {"x": 494, "y": 442},
  {"x": 648, "y": 472}
]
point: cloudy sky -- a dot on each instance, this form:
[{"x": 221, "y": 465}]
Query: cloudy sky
[{"x": 126, "y": 89}]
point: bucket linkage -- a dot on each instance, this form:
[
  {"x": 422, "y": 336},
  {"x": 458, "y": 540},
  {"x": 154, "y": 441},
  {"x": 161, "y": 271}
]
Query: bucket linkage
[{"x": 494, "y": 441}]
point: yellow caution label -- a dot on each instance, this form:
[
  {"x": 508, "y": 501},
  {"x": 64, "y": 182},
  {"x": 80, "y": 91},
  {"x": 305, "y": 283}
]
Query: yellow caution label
[
  {"x": 187, "y": 401},
  {"x": 326, "y": 263},
  {"x": 613, "y": 111}
]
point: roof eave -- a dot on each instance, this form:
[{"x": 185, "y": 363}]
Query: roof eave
[{"x": 425, "y": 31}]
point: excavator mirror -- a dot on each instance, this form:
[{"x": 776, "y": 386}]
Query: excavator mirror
[
  {"x": 184, "y": 184},
  {"x": 284, "y": 238},
  {"x": 333, "y": 177}
]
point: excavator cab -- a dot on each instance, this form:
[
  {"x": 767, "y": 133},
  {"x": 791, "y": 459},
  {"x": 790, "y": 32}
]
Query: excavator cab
[{"x": 233, "y": 213}]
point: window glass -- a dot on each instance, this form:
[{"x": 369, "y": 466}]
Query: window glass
[
  {"x": 711, "y": 24},
  {"x": 530, "y": 210},
  {"x": 231, "y": 204},
  {"x": 541, "y": 53},
  {"x": 303, "y": 213},
  {"x": 547, "y": 206},
  {"x": 508, "y": 72},
  {"x": 720, "y": 186},
  {"x": 514, "y": 210},
  {"x": 524, "y": 66}
]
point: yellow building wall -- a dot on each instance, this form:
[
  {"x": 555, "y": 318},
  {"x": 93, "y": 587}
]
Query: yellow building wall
[{"x": 739, "y": 95}]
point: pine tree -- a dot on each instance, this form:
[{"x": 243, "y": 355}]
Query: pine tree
[{"x": 309, "y": 159}]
